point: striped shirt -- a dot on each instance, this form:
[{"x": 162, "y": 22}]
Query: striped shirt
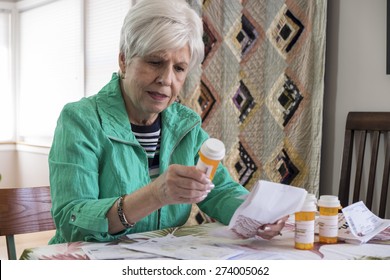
[{"x": 149, "y": 138}]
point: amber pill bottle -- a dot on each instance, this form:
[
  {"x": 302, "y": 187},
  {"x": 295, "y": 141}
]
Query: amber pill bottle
[
  {"x": 210, "y": 154},
  {"x": 329, "y": 206},
  {"x": 305, "y": 223}
]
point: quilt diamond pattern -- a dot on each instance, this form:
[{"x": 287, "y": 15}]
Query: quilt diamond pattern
[{"x": 261, "y": 87}]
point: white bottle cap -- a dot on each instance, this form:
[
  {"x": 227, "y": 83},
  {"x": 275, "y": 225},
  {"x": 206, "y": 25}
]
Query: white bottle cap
[
  {"x": 311, "y": 196},
  {"x": 309, "y": 205},
  {"x": 213, "y": 149},
  {"x": 329, "y": 201}
]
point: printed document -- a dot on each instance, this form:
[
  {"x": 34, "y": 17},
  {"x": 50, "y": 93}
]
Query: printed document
[
  {"x": 266, "y": 203},
  {"x": 362, "y": 223}
]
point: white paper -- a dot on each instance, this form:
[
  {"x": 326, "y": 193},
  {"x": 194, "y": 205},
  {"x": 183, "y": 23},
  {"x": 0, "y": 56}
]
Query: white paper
[
  {"x": 266, "y": 203},
  {"x": 362, "y": 223},
  {"x": 115, "y": 252},
  {"x": 183, "y": 247}
]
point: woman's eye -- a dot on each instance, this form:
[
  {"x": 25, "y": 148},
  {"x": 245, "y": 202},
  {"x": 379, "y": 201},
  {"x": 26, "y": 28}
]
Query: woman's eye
[
  {"x": 154, "y": 62},
  {"x": 179, "y": 69}
]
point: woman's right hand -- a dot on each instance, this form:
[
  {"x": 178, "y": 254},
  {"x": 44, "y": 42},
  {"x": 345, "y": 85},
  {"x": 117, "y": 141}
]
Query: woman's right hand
[
  {"x": 178, "y": 184},
  {"x": 181, "y": 184}
]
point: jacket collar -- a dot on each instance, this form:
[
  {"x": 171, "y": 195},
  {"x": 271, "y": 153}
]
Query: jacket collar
[{"x": 112, "y": 111}]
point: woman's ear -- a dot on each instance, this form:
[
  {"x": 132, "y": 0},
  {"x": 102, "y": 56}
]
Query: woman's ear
[{"x": 122, "y": 62}]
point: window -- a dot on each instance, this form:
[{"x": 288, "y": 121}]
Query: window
[
  {"x": 7, "y": 112},
  {"x": 103, "y": 21},
  {"x": 68, "y": 50},
  {"x": 51, "y": 66}
]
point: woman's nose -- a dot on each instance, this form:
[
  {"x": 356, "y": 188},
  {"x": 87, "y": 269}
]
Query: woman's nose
[{"x": 165, "y": 77}]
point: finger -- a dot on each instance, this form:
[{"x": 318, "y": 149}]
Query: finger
[
  {"x": 269, "y": 231},
  {"x": 265, "y": 233},
  {"x": 176, "y": 186},
  {"x": 272, "y": 227},
  {"x": 199, "y": 199},
  {"x": 284, "y": 219},
  {"x": 190, "y": 172},
  {"x": 277, "y": 226},
  {"x": 186, "y": 193},
  {"x": 178, "y": 177},
  {"x": 185, "y": 185},
  {"x": 191, "y": 194}
]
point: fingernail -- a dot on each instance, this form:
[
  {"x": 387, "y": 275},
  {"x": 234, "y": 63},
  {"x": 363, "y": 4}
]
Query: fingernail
[
  {"x": 267, "y": 228},
  {"x": 212, "y": 186}
]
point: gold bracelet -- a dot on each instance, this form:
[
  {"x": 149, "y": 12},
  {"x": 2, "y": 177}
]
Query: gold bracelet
[{"x": 121, "y": 215}]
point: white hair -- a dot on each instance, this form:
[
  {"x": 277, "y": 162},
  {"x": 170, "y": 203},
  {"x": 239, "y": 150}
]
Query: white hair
[{"x": 151, "y": 26}]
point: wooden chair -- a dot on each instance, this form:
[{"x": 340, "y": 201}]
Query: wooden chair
[
  {"x": 376, "y": 127},
  {"x": 24, "y": 210}
]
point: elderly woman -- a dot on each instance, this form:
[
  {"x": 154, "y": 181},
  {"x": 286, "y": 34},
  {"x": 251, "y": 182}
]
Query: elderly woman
[{"x": 123, "y": 160}]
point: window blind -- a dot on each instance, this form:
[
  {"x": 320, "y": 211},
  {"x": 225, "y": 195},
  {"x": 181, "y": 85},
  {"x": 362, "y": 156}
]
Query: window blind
[
  {"x": 7, "y": 110},
  {"x": 51, "y": 66},
  {"x": 103, "y": 22}
]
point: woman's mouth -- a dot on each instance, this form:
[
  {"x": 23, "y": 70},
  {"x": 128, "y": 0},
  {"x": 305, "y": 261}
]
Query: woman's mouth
[{"x": 157, "y": 96}]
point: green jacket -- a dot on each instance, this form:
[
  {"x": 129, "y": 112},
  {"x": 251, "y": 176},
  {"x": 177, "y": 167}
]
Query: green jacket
[{"x": 95, "y": 158}]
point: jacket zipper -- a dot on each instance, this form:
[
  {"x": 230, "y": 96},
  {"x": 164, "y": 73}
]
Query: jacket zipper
[
  {"x": 177, "y": 143},
  {"x": 136, "y": 145},
  {"x": 128, "y": 143}
]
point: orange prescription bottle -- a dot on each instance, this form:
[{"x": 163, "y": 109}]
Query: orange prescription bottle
[
  {"x": 210, "y": 154},
  {"x": 329, "y": 206},
  {"x": 304, "y": 224}
]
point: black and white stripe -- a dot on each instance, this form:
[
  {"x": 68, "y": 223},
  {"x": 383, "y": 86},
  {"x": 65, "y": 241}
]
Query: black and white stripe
[{"x": 149, "y": 138}]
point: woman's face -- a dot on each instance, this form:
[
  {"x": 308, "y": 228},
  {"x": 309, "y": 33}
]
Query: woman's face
[{"x": 153, "y": 82}]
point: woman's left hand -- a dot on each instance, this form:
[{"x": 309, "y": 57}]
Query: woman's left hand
[{"x": 269, "y": 231}]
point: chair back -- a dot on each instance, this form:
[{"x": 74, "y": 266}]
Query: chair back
[
  {"x": 363, "y": 156},
  {"x": 24, "y": 210}
]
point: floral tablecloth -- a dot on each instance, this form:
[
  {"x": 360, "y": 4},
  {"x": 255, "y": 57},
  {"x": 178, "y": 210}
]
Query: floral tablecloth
[{"x": 210, "y": 234}]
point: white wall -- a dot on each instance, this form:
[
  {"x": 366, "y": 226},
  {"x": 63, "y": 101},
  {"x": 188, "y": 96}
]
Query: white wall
[
  {"x": 355, "y": 75},
  {"x": 23, "y": 166},
  {"x": 8, "y": 165},
  {"x": 33, "y": 167}
]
